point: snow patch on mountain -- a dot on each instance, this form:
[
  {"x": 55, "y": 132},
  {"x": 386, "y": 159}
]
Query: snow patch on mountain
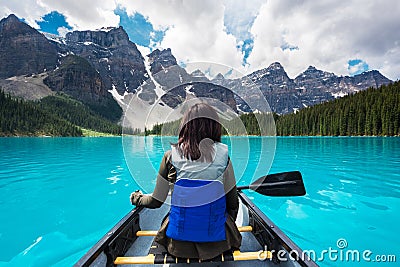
[
  {"x": 339, "y": 94},
  {"x": 187, "y": 90},
  {"x": 158, "y": 88},
  {"x": 54, "y": 37},
  {"x": 119, "y": 98},
  {"x": 105, "y": 29}
]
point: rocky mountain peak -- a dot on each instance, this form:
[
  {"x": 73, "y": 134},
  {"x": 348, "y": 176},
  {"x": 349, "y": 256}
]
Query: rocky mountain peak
[
  {"x": 371, "y": 78},
  {"x": 197, "y": 73},
  {"x": 12, "y": 26},
  {"x": 313, "y": 73},
  {"x": 219, "y": 76},
  {"x": 275, "y": 66},
  {"x": 276, "y": 69},
  {"x": 311, "y": 69},
  {"x": 24, "y": 49},
  {"x": 274, "y": 75},
  {"x": 165, "y": 53},
  {"x": 10, "y": 19},
  {"x": 112, "y": 54},
  {"x": 110, "y": 38},
  {"x": 161, "y": 59}
]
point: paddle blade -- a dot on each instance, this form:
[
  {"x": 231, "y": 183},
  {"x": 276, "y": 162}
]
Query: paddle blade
[{"x": 280, "y": 184}]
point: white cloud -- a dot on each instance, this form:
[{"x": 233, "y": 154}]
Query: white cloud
[
  {"x": 30, "y": 10},
  {"x": 85, "y": 14},
  {"x": 80, "y": 14},
  {"x": 62, "y": 31},
  {"x": 239, "y": 17},
  {"x": 143, "y": 50},
  {"x": 194, "y": 29},
  {"x": 328, "y": 34}
]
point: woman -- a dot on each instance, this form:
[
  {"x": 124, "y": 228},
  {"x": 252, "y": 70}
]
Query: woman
[{"x": 204, "y": 202}]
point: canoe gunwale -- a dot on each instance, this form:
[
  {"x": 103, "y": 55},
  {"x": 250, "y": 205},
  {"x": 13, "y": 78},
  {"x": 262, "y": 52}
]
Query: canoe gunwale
[
  {"x": 116, "y": 241},
  {"x": 268, "y": 233}
]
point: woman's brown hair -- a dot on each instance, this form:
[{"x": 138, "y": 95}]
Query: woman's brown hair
[{"x": 199, "y": 123}]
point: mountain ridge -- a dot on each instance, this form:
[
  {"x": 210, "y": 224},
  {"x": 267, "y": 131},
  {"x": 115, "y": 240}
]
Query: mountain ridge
[{"x": 123, "y": 71}]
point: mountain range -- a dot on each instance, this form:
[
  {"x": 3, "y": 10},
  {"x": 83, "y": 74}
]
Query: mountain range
[{"x": 102, "y": 68}]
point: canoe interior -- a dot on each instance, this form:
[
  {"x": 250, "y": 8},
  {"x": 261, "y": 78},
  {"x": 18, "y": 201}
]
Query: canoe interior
[{"x": 123, "y": 241}]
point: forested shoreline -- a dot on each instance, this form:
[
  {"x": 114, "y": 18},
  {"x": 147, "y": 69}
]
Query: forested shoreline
[
  {"x": 373, "y": 112},
  {"x": 57, "y": 115}
]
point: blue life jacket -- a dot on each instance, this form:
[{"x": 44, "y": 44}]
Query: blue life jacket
[{"x": 198, "y": 204}]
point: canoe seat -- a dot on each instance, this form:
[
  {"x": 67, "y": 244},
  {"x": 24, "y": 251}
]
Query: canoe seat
[
  {"x": 159, "y": 255},
  {"x": 166, "y": 258},
  {"x": 154, "y": 233}
]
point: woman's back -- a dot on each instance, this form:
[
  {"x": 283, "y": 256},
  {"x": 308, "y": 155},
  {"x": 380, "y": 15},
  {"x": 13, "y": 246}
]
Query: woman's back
[
  {"x": 198, "y": 205},
  {"x": 204, "y": 201}
]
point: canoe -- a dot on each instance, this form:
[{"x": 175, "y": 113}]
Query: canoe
[{"x": 131, "y": 242}]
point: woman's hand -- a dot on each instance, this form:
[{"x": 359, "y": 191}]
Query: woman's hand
[{"x": 135, "y": 197}]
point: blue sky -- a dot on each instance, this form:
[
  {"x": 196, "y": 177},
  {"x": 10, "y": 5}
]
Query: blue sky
[
  {"x": 344, "y": 37},
  {"x": 52, "y": 21},
  {"x": 138, "y": 28},
  {"x": 357, "y": 66}
]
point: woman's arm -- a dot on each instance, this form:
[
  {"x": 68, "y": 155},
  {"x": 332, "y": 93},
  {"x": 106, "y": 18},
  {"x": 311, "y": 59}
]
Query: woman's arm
[
  {"x": 157, "y": 198},
  {"x": 232, "y": 199}
]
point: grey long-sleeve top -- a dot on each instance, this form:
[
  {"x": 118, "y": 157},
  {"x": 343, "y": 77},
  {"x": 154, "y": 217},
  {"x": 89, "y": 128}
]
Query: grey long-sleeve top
[
  {"x": 167, "y": 176},
  {"x": 202, "y": 250}
]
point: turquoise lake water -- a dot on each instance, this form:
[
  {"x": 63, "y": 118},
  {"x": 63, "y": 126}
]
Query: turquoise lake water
[{"x": 59, "y": 196}]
